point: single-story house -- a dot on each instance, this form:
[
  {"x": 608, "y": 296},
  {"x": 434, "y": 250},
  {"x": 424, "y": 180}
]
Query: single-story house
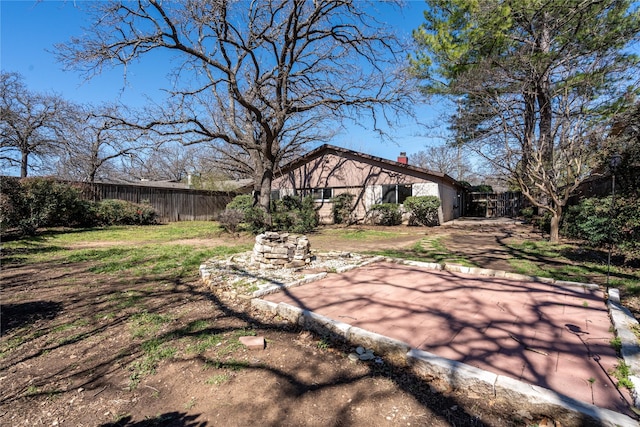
[{"x": 329, "y": 171}]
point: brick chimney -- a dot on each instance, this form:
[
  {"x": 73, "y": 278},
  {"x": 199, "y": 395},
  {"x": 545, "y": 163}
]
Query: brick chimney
[{"x": 402, "y": 158}]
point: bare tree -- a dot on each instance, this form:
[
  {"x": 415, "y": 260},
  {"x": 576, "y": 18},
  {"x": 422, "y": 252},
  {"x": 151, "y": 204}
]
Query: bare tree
[
  {"x": 94, "y": 138},
  {"x": 451, "y": 160},
  {"x": 165, "y": 162},
  {"x": 258, "y": 80},
  {"x": 30, "y": 123}
]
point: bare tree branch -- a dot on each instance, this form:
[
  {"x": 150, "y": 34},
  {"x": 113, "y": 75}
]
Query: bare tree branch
[{"x": 261, "y": 78}]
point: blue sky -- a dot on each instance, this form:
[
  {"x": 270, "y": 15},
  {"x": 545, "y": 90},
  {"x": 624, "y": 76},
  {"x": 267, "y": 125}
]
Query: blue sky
[{"x": 29, "y": 30}]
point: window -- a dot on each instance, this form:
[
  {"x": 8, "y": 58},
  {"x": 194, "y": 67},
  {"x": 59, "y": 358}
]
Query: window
[
  {"x": 395, "y": 193},
  {"x": 319, "y": 193}
]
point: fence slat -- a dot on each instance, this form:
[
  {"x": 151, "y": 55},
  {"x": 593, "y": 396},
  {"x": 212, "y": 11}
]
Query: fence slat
[{"x": 171, "y": 204}]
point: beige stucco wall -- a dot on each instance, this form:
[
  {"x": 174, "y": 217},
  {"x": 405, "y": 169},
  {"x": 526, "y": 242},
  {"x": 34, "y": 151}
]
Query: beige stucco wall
[{"x": 364, "y": 180}]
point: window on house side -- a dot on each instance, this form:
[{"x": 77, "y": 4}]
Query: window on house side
[
  {"x": 404, "y": 191},
  {"x": 395, "y": 193},
  {"x": 320, "y": 193}
]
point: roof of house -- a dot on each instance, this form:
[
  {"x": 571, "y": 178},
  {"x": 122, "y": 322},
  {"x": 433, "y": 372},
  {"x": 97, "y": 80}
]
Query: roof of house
[
  {"x": 146, "y": 183},
  {"x": 343, "y": 152},
  {"x": 241, "y": 185}
]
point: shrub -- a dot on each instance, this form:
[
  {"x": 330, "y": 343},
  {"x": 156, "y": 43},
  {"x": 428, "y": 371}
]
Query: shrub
[
  {"x": 482, "y": 188},
  {"x": 11, "y": 203},
  {"x": 542, "y": 222},
  {"x": 593, "y": 220},
  {"x": 242, "y": 203},
  {"x": 287, "y": 214},
  {"x": 309, "y": 218},
  {"x": 230, "y": 219},
  {"x": 252, "y": 216},
  {"x": 294, "y": 215},
  {"x": 628, "y": 224},
  {"x": 121, "y": 212},
  {"x": 342, "y": 208},
  {"x": 527, "y": 213},
  {"x": 589, "y": 220},
  {"x": 255, "y": 219},
  {"x": 385, "y": 214},
  {"x": 423, "y": 210},
  {"x": 30, "y": 203}
]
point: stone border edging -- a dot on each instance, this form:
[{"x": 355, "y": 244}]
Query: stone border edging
[
  {"x": 624, "y": 323},
  {"x": 458, "y": 375},
  {"x": 456, "y": 268}
]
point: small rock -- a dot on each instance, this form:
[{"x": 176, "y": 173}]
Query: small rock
[
  {"x": 524, "y": 414},
  {"x": 360, "y": 350},
  {"x": 367, "y": 356},
  {"x": 354, "y": 357},
  {"x": 253, "y": 343},
  {"x": 305, "y": 336}
]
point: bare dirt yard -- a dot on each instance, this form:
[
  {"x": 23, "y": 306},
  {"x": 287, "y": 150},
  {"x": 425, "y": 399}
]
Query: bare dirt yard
[{"x": 84, "y": 347}]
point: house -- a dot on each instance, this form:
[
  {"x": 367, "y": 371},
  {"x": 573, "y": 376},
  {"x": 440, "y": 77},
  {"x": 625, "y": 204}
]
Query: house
[{"x": 329, "y": 171}]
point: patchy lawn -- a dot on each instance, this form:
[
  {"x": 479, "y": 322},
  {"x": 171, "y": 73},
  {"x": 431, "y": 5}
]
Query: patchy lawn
[{"x": 113, "y": 327}]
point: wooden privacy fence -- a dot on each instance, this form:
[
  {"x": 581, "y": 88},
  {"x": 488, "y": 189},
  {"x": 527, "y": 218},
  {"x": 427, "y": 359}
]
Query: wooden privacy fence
[
  {"x": 495, "y": 205},
  {"x": 171, "y": 204}
]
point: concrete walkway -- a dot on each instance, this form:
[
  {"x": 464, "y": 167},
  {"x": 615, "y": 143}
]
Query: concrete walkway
[{"x": 554, "y": 337}]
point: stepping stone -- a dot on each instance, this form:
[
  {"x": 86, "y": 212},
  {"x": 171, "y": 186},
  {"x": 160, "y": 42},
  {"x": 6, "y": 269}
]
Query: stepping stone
[{"x": 253, "y": 343}]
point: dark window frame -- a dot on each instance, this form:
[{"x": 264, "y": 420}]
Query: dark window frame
[
  {"x": 320, "y": 194},
  {"x": 396, "y": 193}
]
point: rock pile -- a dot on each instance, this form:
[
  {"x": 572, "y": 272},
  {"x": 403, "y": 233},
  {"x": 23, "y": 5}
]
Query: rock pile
[{"x": 274, "y": 250}]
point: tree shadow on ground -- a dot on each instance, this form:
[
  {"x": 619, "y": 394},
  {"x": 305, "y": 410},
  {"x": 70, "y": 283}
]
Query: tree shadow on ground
[
  {"x": 16, "y": 316},
  {"x": 165, "y": 297},
  {"x": 168, "y": 419}
]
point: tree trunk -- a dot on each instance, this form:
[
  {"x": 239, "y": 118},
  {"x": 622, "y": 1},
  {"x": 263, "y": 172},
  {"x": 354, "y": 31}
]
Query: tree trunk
[
  {"x": 543, "y": 92},
  {"x": 264, "y": 197},
  {"x": 554, "y": 233},
  {"x": 24, "y": 163}
]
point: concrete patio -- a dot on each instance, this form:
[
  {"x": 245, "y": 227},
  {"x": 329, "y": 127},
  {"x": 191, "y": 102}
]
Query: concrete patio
[{"x": 556, "y": 337}]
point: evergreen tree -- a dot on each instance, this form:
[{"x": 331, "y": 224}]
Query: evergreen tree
[{"x": 539, "y": 82}]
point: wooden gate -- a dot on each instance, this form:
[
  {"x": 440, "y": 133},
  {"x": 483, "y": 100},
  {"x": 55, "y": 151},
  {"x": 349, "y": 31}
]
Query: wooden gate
[{"x": 495, "y": 205}]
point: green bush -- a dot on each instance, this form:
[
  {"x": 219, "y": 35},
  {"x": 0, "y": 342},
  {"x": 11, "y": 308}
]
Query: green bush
[
  {"x": 385, "y": 214},
  {"x": 255, "y": 219},
  {"x": 294, "y": 215},
  {"x": 252, "y": 216},
  {"x": 309, "y": 218},
  {"x": 594, "y": 221},
  {"x": 12, "y": 203},
  {"x": 243, "y": 203},
  {"x": 527, "y": 213},
  {"x": 31, "y": 203},
  {"x": 589, "y": 220},
  {"x": 342, "y": 207},
  {"x": 122, "y": 212},
  {"x": 482, "y": 188},
  {"x": 287, "y": 214},
  {"x": 423, "y": 210}
]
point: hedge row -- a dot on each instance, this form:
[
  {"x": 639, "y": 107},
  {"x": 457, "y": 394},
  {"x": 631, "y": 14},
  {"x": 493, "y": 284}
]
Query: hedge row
[
  {"x": 422, "y": 210},
  {"x": 599, "y": 222},
  {"x": 31, "y": 203},
  {"x": 290, "y": 214}
]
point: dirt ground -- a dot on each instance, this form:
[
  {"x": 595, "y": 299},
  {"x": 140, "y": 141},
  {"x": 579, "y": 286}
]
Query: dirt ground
[{"x": 85, "y": 349}]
